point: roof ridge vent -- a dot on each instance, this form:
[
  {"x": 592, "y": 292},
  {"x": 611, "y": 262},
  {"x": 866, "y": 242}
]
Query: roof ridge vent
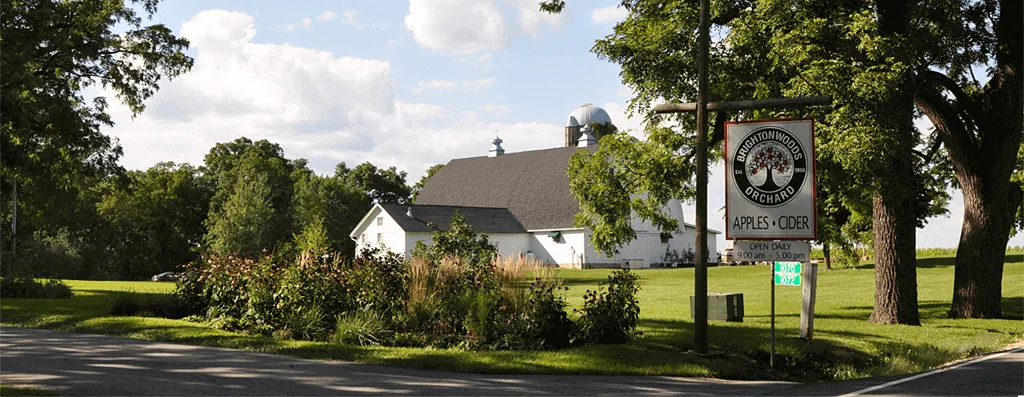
[{"x": 496, "y": 149}]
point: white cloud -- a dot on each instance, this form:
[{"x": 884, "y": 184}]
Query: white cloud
[
  {"x": 350, "y": 19},
  {"x": 390, "y": 43},
  {"x": 327, "y": 16},
  {"x": 434, "y": 85},
  {"x": 611, "y": 14},
  {"x": 476, "y": 85},
  {"x": 497, "y": 110},
  {"x": 448, "y": 85},
  {"x": 456, "y": 26},
  {"x": 315, "y": 104},
  {"x": 306, "y": 22},
  {"x": 531, "y": 17}
]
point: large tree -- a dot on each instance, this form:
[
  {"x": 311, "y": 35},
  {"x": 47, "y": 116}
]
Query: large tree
[
  {"x": 327, "y": 205},
  {"x": 155, "y": 220},
  {"x": 229, "y": 164},
  {"x": 381, "y": 185},
  {"x": 865, "y": 55},
  {"x": 50, "y": 138},
  {"x": 980, "y": 127}
]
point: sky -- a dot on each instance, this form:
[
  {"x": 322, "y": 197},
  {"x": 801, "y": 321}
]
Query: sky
[{"x": 396, "y": 83}]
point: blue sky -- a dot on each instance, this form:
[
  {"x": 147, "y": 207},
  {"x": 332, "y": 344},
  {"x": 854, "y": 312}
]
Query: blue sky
[{"x": 397, "y": 83}]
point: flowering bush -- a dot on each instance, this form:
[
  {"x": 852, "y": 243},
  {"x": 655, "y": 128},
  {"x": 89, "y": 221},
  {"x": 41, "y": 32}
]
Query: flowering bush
[{"x": 378, "y": 298}]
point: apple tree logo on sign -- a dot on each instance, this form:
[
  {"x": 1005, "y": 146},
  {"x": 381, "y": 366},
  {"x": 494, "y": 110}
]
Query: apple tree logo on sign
[{"x": 770, "y": 166}]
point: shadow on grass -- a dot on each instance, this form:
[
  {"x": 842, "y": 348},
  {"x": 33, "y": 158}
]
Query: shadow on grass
[
  {"x": 944, "y": 261},
  {"x": 1011, "y": 307}
]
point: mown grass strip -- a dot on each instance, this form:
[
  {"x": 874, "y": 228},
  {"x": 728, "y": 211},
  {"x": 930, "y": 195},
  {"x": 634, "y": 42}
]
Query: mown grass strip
[{"x": 845, "y": 344}]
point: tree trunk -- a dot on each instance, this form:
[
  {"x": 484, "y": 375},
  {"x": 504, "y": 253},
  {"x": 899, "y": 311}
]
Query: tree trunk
[
  {"x": 895, "y": 262},
  {"x": 988, "y": 216}
]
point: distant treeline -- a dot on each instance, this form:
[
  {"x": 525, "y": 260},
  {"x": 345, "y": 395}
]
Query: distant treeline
[{"x": 245, "y": 198}]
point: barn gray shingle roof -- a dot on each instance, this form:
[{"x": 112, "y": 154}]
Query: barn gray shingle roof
[
  {"x": 533, "y": 185},
  {"x": 483, "y": 220}
]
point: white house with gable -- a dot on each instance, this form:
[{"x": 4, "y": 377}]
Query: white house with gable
[{"x": 523, "y": 202}]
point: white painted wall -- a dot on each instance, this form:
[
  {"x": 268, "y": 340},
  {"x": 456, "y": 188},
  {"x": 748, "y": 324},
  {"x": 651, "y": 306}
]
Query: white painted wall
[
  {"x": 565, "y": 252},
  {"x": 508, "y": 244},
  {"x": 392, "y": 237}
]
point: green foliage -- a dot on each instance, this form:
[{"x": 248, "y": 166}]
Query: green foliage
[
  {"x": 459, "y": 241},
  {"x": 611, "y": 317},
  {"x": 308, "y": 323},
  {"x": 50, "y": 136},
  {"x": 547, "y": 324},
  {"x": 27, "y": 288},
  {"x": 155, "y": 220},
  {"x": 379, "y": 278},
  {"x": 380, "y": 185},
  {"x": 250, "y": 210},
  {"x": 364, "y": 329},
  {"x": 331, "y": 201},
  {"x": 246, "y": 225},
  {"x": 59, "y": 254},
  {"x": 314, "y": 238},
  {"x": 423, "y": 181}
]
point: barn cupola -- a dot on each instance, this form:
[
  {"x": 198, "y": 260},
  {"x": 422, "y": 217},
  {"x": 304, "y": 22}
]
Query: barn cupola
[
  {"x": 582, "y": 117},
  {"x": 586, "y": 137},
  {"x": 496, "y": 149},
  {"x": 572, "y": 131}
]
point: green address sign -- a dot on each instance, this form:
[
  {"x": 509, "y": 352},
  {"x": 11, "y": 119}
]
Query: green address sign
[{"x": 787, "y": 273}]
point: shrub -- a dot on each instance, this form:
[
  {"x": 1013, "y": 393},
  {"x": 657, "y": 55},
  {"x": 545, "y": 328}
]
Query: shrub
[
  {"x": 126, "y": 304},
  {"x": 307, "y": 323},
  {"x": 459, "y": 241},
  {"x": 611, "y": 317},
  {"x": 168, "y": 306},
  {"x": 379, "y": 277},
  {"x": 547, "y": 324},
  {"x": 28, "y": 288},
  {"x": 365, "y": 329},
  {"x": 130, "y": 303}
]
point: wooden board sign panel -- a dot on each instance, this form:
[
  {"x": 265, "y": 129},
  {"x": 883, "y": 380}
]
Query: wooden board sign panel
[
  {"x": 769, "y": 251},
  {"x": 769, "y": 178}
]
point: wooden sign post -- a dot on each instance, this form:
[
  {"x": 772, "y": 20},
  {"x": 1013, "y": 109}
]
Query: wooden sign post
[{"x": 701, "y": 107}]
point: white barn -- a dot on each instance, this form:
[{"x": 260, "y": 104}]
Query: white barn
[{"x": 523, "y": 202}]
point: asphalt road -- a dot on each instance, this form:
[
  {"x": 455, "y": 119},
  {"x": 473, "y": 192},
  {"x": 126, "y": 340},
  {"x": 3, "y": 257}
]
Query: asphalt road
[{"x": 79, "y": 364}]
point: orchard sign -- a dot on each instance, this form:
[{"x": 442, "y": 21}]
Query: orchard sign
[{"x": 769, "y": 180}]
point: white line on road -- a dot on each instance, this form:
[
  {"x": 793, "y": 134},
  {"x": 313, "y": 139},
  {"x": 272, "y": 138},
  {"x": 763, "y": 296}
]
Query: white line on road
[{"x": 930, "y": 373}]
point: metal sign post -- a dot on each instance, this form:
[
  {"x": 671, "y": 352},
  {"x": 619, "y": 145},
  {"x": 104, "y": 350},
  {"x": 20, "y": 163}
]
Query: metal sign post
[
  {"x": 771, "y": 359},
  {"x": 783, "y": 273}
]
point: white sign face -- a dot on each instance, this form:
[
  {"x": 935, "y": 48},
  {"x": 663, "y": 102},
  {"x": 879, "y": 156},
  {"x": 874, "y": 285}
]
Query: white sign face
[
  {"x": 771, "y": 251},
  {"x": 769, "y": 180}
]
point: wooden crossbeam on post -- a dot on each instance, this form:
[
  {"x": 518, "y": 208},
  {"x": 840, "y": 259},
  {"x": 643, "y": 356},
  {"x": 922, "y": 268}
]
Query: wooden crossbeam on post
[{"x": 733, "y": 106}]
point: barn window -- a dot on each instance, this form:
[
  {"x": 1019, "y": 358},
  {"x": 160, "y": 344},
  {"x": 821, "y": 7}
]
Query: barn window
[
  {"x": 380, "y": 238},
  {"x": 665, "y": 237},
  {"x": 555, "y": 236},
  {"x": 380, "y": 220}
]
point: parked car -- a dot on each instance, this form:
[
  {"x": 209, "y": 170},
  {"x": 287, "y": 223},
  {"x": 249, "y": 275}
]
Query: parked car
[{"x": 167, "y": 276}]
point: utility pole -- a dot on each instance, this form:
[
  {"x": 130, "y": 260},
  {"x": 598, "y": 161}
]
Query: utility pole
[{"x": 700, "y": 287}]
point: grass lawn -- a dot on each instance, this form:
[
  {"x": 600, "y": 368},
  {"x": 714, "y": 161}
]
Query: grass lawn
[{"x": 845, "y": 345}]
